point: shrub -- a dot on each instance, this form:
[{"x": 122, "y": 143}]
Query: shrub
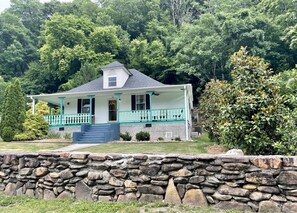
[
  {"x": 177, "y": 139},
  {"x": 160, "y": 139},
  {"x": 67, "y": 135},
  {"x": 53, "y": 135},
  {"x": 35, "y": 127},
  {"x": 126, "y": 136},
  {"x": 143, "y": 136},
  {"x": 7, "y": 134}
]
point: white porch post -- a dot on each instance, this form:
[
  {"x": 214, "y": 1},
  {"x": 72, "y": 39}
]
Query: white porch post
[
  {"x": 61, "y": 109},
  {"x": 150, "y": 93},
  {"x": 118, "y": 95},
  {"x": 186, "y": 112},
  {"x": 91, "y": 109},
  {"x": 33, "y": 105}
]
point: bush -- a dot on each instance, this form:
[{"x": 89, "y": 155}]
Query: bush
[
  {"x": 160, "y": 139},
  {"x": 177, "y": 139},
  {"x": 67, "y": 135},
  {"x": 143, "y": 136},
  {"x": 53, "y": 135},
  {"x": 35, "y": 127},
  {"x": 7, "y": 134},
  {"x": 126, "y": 136}
]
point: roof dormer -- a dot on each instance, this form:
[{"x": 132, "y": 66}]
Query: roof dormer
[{"x": 115, "y": 75}]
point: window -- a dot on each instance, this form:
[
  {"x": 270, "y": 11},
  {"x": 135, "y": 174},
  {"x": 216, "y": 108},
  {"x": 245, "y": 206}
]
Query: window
[
  {"x": 112, "y": 81},
  {"x": 83, "y": 106},
  {"x": 140, "y": 102}
]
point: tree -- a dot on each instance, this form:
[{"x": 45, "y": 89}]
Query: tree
[
  {"x": 13, "y": 111},
  {"x": 255, "y": 117},
  {"x": 3, "y": 86}
]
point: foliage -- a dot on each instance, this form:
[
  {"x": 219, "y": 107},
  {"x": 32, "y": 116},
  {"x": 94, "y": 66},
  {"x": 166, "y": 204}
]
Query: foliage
[
  {"x": 211, "y": 102},
  {"x": 7, "y": 134},
  {"x": 67, "y": 136},
  {"x": 255, "y": 117},
  {"x": 13, "y": 110},
  {"x": 35, "y": 127},
  {"x": 3, "y": 86},
  {"x": 126, "y": 136},
  {"x": 53, "y": 135},
  {"x": 177, "y": 139},
  {"x": 142, "y": 136}
]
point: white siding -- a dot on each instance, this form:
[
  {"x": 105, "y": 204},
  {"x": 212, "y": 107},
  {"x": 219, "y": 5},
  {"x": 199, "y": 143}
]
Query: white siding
[{"x": 121, "y": 75}]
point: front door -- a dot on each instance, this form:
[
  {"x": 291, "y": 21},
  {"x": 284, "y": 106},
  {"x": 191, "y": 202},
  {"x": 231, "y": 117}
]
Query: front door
[{"x": 112, "y": 110}]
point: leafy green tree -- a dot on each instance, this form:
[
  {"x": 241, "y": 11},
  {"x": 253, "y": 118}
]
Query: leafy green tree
[
  {"x": 255, "y": 117},
  {"x": 3, "y": 86},
  {"x": 13, "y": 111},
  {"x": 211, "y": 103}
]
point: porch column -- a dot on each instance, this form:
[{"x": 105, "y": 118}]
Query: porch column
[
  {"x": 186, "y": 112},
  {"x": 61, "y": 99},
  {"x": 91, "y": 109},
  {"x": 33, "y": 105},
  {"x": 150, "y": 93},
  {"x": 49, "y": 109},
  {"x": 118, "y": 95}
]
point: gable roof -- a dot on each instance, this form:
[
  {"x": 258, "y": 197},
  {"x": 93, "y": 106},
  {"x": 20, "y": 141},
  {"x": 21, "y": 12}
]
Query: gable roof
[{"x": 136, "y": 80}]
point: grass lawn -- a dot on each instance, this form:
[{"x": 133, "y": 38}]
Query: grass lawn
[
  {"x": 25, "y": 204},
  {"x": 195, "y": 147},
  {"x": 29, "y": 147}
]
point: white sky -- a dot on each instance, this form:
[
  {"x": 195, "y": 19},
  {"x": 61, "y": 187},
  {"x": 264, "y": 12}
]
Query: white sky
[{"x": 6, "y": 3}]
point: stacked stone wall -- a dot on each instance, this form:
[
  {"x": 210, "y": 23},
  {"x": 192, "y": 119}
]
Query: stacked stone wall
[{"x": 249, "y": 183}]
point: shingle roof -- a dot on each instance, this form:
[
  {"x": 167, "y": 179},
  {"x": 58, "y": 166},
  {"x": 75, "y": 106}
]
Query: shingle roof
[
  {"x": 112, "y": 64},
  {"x": 136, "y": 80}
]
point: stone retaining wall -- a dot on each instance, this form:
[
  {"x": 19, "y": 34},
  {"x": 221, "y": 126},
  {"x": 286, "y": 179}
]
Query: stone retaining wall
[{"x": 264, "y": 184}]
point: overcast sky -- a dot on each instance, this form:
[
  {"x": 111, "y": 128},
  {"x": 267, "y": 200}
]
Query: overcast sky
[{"x": 6, "y": 3}]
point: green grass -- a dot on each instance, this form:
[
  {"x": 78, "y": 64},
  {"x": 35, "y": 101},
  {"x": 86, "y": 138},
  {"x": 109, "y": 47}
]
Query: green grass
[
  {"x": 29, "y": 147},
  {"x": 25, "y": 204},
  {"x": 196, "y": 147}
]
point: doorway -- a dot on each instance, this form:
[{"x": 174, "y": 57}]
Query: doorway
[{"x": 112, "y": 110}]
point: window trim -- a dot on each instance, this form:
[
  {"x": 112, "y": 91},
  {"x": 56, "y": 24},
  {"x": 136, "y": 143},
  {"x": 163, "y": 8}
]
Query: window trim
[{"x": 109, "y": 81}]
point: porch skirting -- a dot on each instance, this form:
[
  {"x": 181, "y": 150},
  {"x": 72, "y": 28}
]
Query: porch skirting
[{"x": 167, "y": 131}]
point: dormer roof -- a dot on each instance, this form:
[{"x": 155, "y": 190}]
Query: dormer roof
[{"x": 114, "y": 65}]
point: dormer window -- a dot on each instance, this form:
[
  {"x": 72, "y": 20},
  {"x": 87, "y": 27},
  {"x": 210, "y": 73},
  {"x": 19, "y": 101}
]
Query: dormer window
[{"x": 112, "y": 81}]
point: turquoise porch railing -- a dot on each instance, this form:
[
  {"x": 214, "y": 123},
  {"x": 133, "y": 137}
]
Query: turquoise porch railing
[
  {"x": 155, "y": 115},
  {"x": 68, "y": 119}
]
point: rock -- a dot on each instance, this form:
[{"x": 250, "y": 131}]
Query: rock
[
  {"x": 259, "y": 196},
  {"x": 278, "y": 198},
  {"x": 2, "y": 174},
  {"x": 181, "y": 180},
  {"x": 181, "y": 189},
  {"x": 151, "y": 170},
  {"x": 195, "y": 198},
  {"x": 208, "y": 190},
  {"x": 254, "y": 206},
  {"x": 148, "y": 198},
  {"x": 262, "y": 178},
  {"x": 210, "y": 199},
  {"x": 130, "y": 184},
  {"x": 227, "y": 190},
  {"x": 269, "y": 206},
  {"x": 237, "y": 152},
  {"x": 65, "y": 195},
  {"x": 230, "y": 172},
  {"x": 30, "y": 193},
  {"x": 267, "y": 162},
  {"x": 25, "y": 171},
  {"x": 213, "y": 180},
  {"x": 236, "y": 166},
  {"x": 161, "y": 177},
  {"x": 221, "y": 197},
  {"x": 171, "y": 167},
  {"x": 82, "y": 191},
  {"x": 212, "y": 168},
  {"x": 10, "y": 189},
  {"x": 104, "y": 198},
  {"x": 94, "y": 175},
  {"x": 54, "y": 175},
  {"x": 291, "y": 198},
  {"x": 250, "y": 187},
  {"x": 159, "y": 183},
  {"x": 196, "y": 179},
  {"x": 118, "y": 173},
  {"x": 78, "y": 155},
  {"x": 115, "y": 182},
  {"x": 289, "y": 207},
  {"x": 127, "y": 197},
  {"x": 150, "y": 189},
  {"x": 82, "y": 173},
  {"x": 269, "y": 189},
  {"x": 225, "y": 177},
  {"x": 48, "y": 194},
  {"x": 66, "y": 174},
  {"x": 41, "y": 171},
  {"x": 171, "y": 195},
  {"x": 292, "y": 192},
  {"x": 181, "y": 173},
  {"x": 232, "y": 205},
  {"x": 287, "y": 178},
  {"x": 241, "y": 199}
]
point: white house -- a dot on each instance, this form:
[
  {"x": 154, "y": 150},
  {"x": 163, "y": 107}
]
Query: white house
[{"x": 123, "y": 100}]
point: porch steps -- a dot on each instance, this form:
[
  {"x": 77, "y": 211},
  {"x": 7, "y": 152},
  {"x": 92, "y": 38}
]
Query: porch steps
[{"x": 98, "y": 134}]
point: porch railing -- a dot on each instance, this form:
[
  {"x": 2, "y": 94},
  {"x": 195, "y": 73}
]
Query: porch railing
[
  {"x": 67, "y": 119},
  {"x": 155, "y": 115}
]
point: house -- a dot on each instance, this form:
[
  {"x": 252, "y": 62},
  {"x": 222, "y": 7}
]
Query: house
[{"x": 122, "y": 100}]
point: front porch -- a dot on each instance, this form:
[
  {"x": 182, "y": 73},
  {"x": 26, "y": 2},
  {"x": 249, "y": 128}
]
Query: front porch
[{"x": 130, "y": 116}]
